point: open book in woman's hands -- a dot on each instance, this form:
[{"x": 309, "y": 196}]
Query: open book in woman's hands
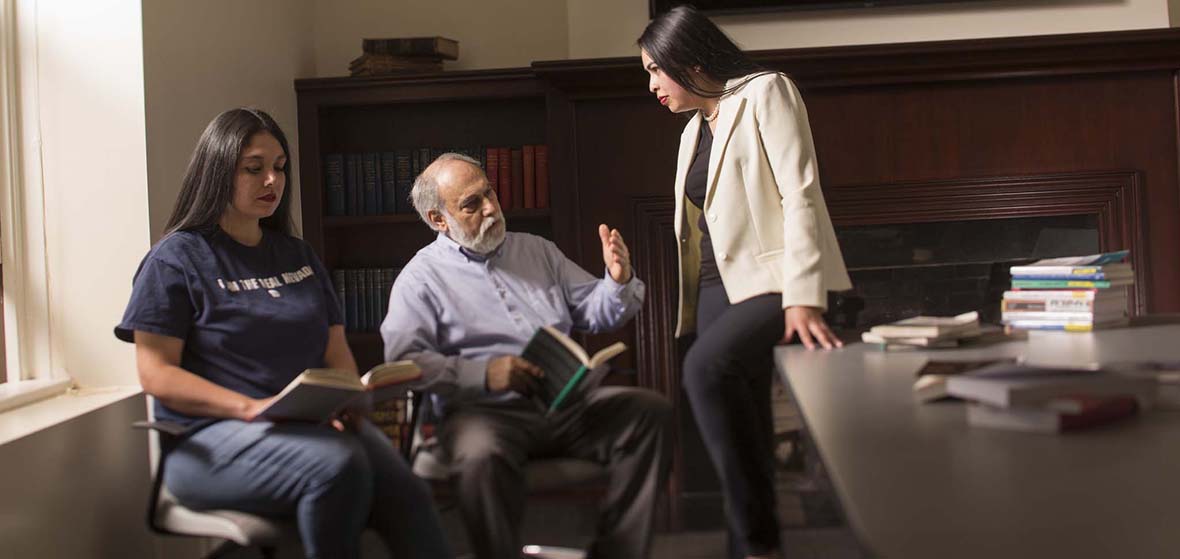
[
  {"x": 318, "y": 394},
  {"x": 569, "y": 370}
]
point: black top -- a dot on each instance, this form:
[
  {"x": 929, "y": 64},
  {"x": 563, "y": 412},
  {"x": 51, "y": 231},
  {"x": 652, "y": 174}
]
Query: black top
[
  {"x": 251, "y": 317},
  {"x": 696, "y": 185}
]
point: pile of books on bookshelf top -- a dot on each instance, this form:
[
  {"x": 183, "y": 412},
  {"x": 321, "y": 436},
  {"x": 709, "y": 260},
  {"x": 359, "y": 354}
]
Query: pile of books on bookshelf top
[
  {"x": 1073, "y": 294},
  {"x": 926, "y": 332},
  {"x": 398, "y": 55}
]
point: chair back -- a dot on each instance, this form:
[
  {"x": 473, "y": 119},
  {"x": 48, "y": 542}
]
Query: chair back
[{"x": 166, "y": 515}]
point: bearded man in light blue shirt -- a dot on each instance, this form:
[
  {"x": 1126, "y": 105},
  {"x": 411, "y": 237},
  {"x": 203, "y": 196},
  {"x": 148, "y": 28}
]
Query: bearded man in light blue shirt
[{"x": 463, "y": 309}]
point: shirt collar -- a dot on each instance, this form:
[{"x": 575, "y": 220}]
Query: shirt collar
[{"x": 452, "y": 247}]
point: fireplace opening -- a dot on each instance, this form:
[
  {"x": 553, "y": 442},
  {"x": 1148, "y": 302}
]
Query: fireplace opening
[{"x": 949, "y": 267}]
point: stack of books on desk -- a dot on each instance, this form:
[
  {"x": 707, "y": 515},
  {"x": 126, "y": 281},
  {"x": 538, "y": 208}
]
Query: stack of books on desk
[
  {"x": 1074, "y": 294},
  {"x": 1049, "y": 399},
  {"x": 925, "y": 332}
]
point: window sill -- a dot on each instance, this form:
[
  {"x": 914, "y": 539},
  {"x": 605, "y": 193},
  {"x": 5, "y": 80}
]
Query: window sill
[
  {"x": 30, "y": 406},
  {"x": 19, "y": 393}
]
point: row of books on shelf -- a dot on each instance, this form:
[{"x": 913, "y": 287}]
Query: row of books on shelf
[
  {"x": 364, "y": 296},
  {"x": 392, "y": 417},
  {"x": 1073, "y": 294},
  {"x": 1008, "y": 394},
  {"x": 379, "y": 183}
]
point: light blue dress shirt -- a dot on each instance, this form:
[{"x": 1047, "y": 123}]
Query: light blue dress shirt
[{"x": 452, "y": 310}]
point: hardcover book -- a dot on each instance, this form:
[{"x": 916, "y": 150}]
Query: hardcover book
[
  {"x": 931, "y": 383},
  {"x": 1006, "y": 384},
  {"x": 569, "y": 370},
  {"x": 431, "y": 47},
  {"x": 1069, "y": 413},
  {"x": 1078, "y": 267},
  {"x": 318, "y": 394},
  {"x": 928, "y": 326}
]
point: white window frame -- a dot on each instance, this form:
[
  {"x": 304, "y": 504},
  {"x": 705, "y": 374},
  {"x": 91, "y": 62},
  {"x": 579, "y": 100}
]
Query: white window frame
[{"x": 28, "y": 356}]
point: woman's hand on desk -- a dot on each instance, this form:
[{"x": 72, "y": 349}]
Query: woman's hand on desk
[{"x": 808, "y": 323}]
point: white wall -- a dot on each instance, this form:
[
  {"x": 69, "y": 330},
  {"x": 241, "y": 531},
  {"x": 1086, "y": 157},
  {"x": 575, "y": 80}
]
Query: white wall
[
  {"x": 505, "y": 33},
  {"x": 604, "y": 28},
  {"x": 92, "y": 159},
  {"x": 201, "y": 58}
]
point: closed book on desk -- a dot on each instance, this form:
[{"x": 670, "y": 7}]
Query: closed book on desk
[
  {"x": 1069, "y": 413},
  {"x": 1093, "y": 266},
  {"x": 318, "y": 394},
  {"x": 569, "y": 370},
  {"x": 1007, "y": 385},
  {"x": 931, "y": 383},
  {"x": 928, "y": 326}
]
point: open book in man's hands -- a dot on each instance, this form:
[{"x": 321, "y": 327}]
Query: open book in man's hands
[
  {"x": 569, "y": 371},
  {"x": 317, "y": 394}
]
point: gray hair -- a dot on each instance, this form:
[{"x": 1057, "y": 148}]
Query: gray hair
[{"x": 425, "y": 192}]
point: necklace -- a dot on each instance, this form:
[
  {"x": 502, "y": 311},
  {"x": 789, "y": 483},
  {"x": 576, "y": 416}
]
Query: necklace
[{"x": 713, "y": 115}]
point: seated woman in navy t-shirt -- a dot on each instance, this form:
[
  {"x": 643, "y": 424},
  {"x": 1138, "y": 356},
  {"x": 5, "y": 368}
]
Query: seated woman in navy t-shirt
[{"x": 225, "y": 311}]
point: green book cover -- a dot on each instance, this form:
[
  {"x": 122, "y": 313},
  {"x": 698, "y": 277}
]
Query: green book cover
[{"x": 569, "y": 371}]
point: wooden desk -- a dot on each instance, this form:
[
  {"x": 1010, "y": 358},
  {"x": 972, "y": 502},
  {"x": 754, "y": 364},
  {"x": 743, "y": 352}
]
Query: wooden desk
[{"x": 915, "y": 481}]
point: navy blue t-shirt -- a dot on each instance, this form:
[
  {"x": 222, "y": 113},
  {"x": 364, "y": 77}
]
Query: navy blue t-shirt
[{"x": 252, "y": 318}]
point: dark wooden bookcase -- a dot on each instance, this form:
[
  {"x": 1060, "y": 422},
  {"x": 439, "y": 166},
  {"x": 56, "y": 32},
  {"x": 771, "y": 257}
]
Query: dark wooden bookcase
[{"x": 441, "y": 110}]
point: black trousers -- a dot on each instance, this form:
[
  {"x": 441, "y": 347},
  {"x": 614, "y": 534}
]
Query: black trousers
[
  {"x": 625, "y": 429},
  {"x": 727, "y": 375}
]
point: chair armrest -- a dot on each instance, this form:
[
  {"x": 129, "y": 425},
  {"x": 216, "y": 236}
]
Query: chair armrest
[{"x": 167, "y": 427}]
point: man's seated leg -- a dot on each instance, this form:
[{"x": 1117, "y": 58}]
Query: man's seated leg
[
  {"x": 628, "y": 430},
  {"x": 486, "y": 445}
]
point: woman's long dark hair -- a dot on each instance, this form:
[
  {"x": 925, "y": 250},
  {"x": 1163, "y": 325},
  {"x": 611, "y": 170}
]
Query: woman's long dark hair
[
  {"x": 681, "y": 40},
  {"x": 208, "y": 186}
]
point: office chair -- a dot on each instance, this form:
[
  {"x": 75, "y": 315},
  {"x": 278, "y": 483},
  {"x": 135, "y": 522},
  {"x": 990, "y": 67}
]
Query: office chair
[
  {"x": 560, "y": 478},
  {"x": 167, "y": 516}
]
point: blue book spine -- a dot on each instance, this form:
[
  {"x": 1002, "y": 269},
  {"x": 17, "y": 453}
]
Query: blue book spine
[
  {"x": 338, "y": 282},
  {"x": 351, "y": 307},
  {"x": 370, "y": 185},
  {"x": 352, "y": 184},
  {"x": 334, "y": 183},
  {"x": 405, "y": 180},
  {"x": 362, "y": 301},
  {"x": 389, "y": 201},
  {"x": 373, "y": 279}
]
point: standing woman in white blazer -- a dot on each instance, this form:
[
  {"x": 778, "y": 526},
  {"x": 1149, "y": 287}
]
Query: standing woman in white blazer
[{"x": 758, "y": 254}]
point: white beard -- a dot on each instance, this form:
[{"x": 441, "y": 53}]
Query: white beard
[{"x": 491, "y": 233}]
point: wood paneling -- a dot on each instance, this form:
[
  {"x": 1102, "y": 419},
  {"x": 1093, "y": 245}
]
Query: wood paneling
[{"x": 980, "y": 129}]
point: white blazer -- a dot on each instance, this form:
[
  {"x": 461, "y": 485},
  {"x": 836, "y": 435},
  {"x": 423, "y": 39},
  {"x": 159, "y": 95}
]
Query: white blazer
[{"x": 767, "y": 219}]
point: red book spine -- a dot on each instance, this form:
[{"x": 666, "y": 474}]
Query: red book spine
[
  {"x": 518, "y": 179},
  {"x": 542, "y": 175},
  {"x": 492, "y": 170},
  {"x": 530, "y": 174},
  {"x": 504, "y": 184}
]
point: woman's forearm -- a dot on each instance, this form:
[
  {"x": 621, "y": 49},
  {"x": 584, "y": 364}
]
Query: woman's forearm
[{"x": 190, "y": 394}]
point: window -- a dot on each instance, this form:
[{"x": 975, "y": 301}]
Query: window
[{"x": 24, "y": 323}]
